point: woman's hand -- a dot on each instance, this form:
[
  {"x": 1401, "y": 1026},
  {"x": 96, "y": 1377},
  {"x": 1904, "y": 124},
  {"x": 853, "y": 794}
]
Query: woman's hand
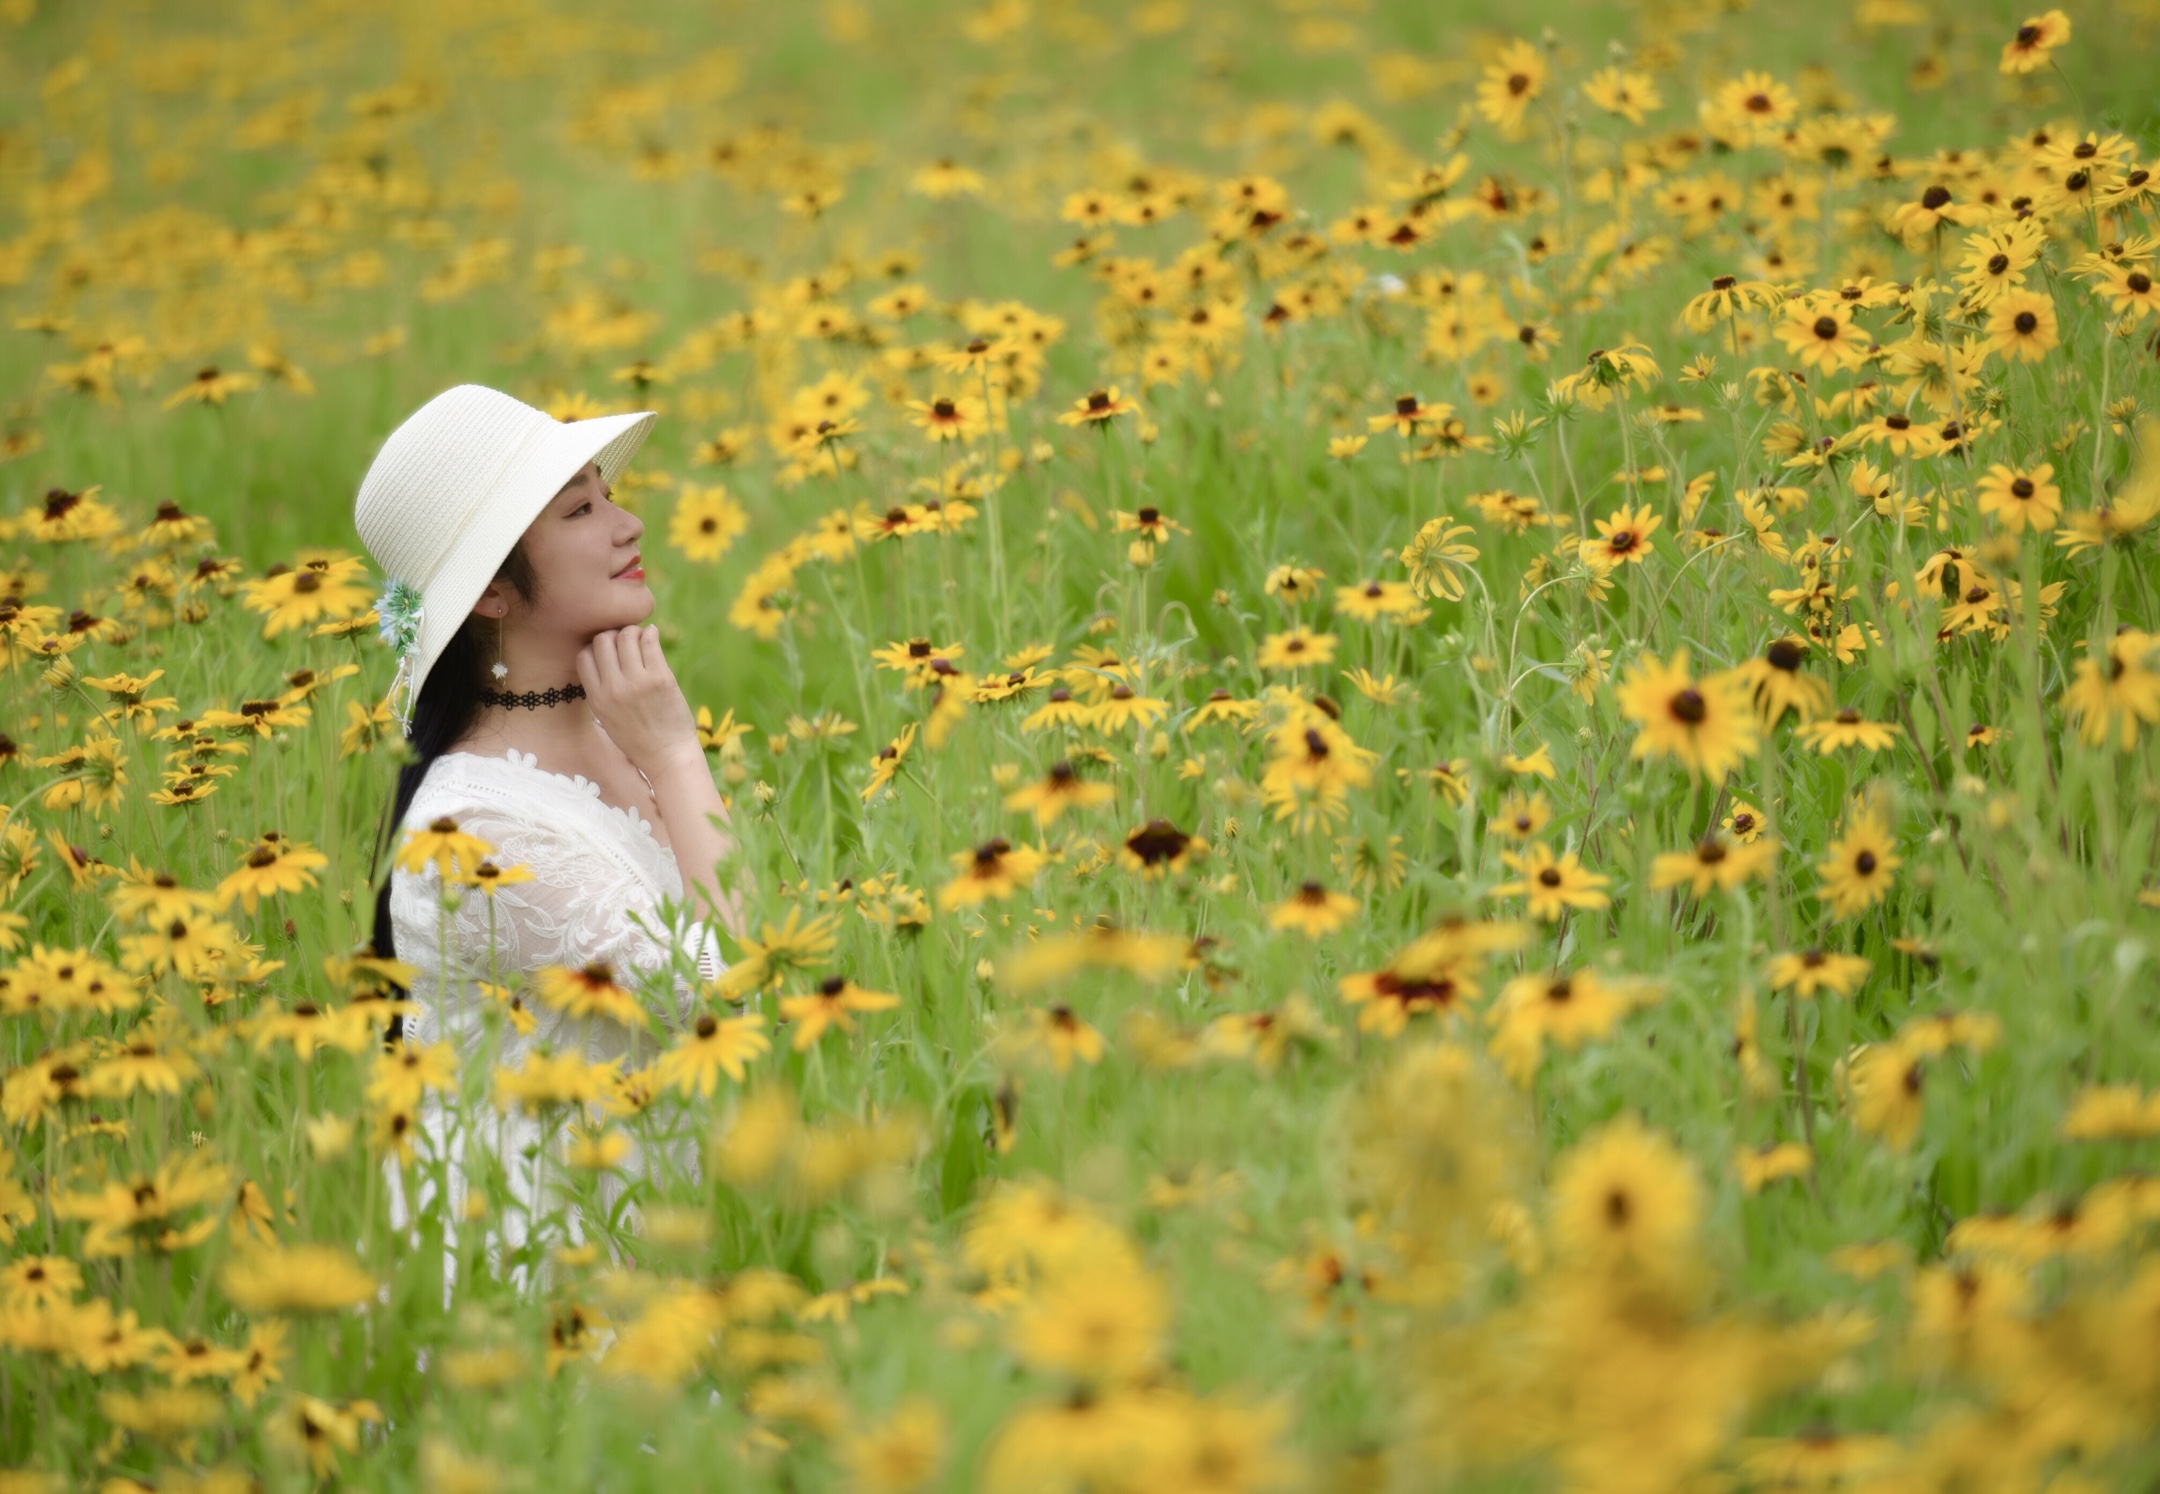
[{"x": 631, "y": 689}]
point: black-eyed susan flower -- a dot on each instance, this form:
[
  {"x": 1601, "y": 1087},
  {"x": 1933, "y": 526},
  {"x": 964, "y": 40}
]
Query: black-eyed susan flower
[
  {"x": 1847, "y": 728},
  {"x": 1623, "y": 537},
  {"x": 1625, "y": 1198},
  {"x": 1758, "y": 1167},
  {"x": 1370, "y": 601},
  {"x": 1059, "y": 789},
  {"x": 1705, "y": 723},
  {"x": 1157, "y": 848},
  {"x": 1436, "y": 559},
  {"x": 2021, "y": 326},
  {"x": 705, "y": 523},
  {"x": 1296, "y": 648},
  {"x": 1712, "y": 862},
  {"x": 211, "y": 386},
  {"x": 831, "y": 1005},
  {"x": 1313, "y": 910},
  {"x": 1777, "y": 683},
  {"x": 1521, "y": 816},
  {"x": 1886, "y": 1083},
  {"x": 2115, "y": 693},
  {"x": 1860, "y": 864},
  {"x": 1623, "y": 92},
  {"x": 405, "y": 1072},
  {"x": 885, "y": 766},
  {"x": 1389, "y": 997},
  {"x": 1511, "y": 82},
  {"x": 2130, "y": 291},
  {"x": 2034, "y": 44},
  {"x": 1098, "y": 408},
  {"x": 949, "y": 417},
  {"x": 588, "y": 990},
  {"x": 1059, "y": 1034},
  {"x": 1553, "y": 883},
  {"x": 996, "y": 869},
  {"x": 1806, "y": 971},
  {"x": 2020, "y": 498},
  {"x": 272, "y": 865},
  {"x": 441, "y": 844},
  {"x": 320, "y": 587},
  {"x": 1824, "y": 338}
]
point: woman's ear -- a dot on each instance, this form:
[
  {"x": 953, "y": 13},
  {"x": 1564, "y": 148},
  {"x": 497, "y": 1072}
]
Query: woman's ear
[{"x": 494, "y": 602}]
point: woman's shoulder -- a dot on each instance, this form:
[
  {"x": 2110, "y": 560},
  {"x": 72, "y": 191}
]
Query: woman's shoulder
[{"x": 512, "y": 785}]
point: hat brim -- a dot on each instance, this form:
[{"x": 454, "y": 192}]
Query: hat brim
[{"x": 557, "y": 453}]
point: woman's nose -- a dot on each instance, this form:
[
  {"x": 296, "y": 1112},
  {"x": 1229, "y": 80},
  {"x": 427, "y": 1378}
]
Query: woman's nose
[{"x": 632, "y": 528}]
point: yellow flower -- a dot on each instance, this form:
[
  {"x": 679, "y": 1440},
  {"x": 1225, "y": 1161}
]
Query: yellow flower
[
  {"x": 1846, "y": 729},
  {"x": 713, "y": 1046},
  {"x": 444, "y": 845},
  {"x": 995, "y": 869},
  {"x": 298, "y": 1278},
  {"x": 829, "y": 1006},
  {"x": 2021, "y": 499},
  {"x": 1313, "y": 910},
  {"x": 1759, "y": 1166},
  {"x": 899, "y": 1454},
  {"x": 1552, "y": 883},
  {"x": 1712, "y": 862},
  {"x": 1098, "y": 408},
  {"x": 1298, "y": 648},
  {"x": 1857, "y": 872},
  {"x": 1631, "y": 95},
  {"x": 2021, "y": 325},
  {"x": 1623, "y": 538},
  {"x": 1885, "y": 1081},
  {"x": 1807, "y": 971},
  {"x": 1104, "y": 1325},
  {"x": 1059, "y": 1032},
  {"x": 272, "y": 865},
  {"x": 295, "y": 596},
  {"x": 1705, "y": 723},
  {"x": 1625, "y": 1197},
  {"x": 589, "y": 991},
  {"x": 2113, "y": 697},
  {"x": 1567, "y": 1010},
  {"x": 1511, "y": 83},
  {"x": 2033, "y": 46},
  {"x": 706, "y": 523}
]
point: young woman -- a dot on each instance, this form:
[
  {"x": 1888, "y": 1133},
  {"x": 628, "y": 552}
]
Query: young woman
[{"x": 546, "y": 724}]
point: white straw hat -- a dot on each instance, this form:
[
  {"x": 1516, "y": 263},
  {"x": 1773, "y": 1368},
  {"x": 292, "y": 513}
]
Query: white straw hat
[{"x": 449, "y": 495}]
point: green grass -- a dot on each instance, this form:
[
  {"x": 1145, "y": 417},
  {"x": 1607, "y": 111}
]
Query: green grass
[{"x": 1445, "y": 1354}]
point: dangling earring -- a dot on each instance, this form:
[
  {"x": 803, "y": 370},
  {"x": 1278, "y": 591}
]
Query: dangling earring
[{"x": 499, "y": 669}]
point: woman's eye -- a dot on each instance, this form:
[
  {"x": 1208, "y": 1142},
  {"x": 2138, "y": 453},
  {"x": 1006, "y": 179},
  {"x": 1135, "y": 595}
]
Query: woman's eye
[{"x": 582, "y": 508}]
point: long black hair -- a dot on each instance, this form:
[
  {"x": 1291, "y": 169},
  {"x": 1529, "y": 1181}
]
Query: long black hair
[{"x": 447, "y": 706}]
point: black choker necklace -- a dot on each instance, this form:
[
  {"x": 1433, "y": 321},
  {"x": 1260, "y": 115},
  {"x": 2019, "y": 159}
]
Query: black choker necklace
[{"x": 532, "y": 700}]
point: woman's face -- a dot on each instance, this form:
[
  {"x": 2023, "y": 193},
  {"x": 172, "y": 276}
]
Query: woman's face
[{"x": 584, "y": 554}]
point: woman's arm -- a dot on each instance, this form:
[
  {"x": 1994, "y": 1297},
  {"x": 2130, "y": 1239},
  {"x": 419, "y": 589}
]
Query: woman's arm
[{"x": 634, "y": 693}]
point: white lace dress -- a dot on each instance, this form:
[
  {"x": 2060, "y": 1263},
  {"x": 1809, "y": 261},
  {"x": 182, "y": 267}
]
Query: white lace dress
[{"x": 598, "y": 879}]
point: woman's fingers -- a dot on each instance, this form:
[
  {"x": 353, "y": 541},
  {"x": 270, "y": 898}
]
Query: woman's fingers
[{"x": 607, "y": 664}]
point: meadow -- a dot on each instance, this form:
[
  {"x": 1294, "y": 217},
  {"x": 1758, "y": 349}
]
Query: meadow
[{"x": 1441, "y": 731}]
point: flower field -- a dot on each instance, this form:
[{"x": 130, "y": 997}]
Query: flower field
[{"x": 1443, "y": 735}]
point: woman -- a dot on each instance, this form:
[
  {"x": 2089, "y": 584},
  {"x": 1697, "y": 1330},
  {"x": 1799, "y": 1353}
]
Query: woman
[{"x": 546, "y": 723}]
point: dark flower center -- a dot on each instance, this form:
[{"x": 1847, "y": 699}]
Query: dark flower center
[{"x": 1690, "y": 707}]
